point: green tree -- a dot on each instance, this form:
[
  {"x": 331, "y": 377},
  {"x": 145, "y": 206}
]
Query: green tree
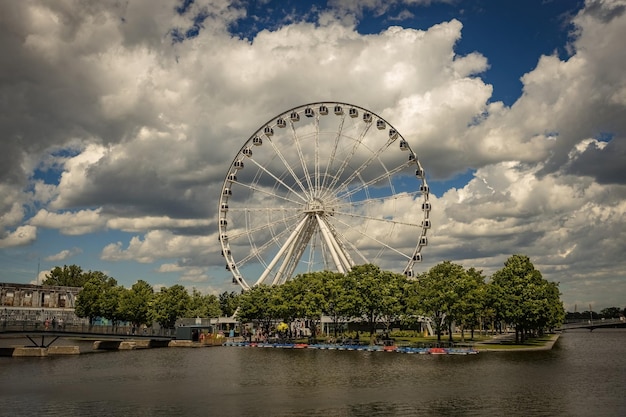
[
  {"x": 340, "y": 296},
  {"x": 348, "y": 298},
  {"x": 413, "y": 308},
  {"x": 90, "y": 300},
  {"x": 552, "y": 313},
  {"x": 377, "y": 293},
  {"x": 262, "y": 305},
  {"x": 229, "y": 301},
  {"x": 520, "y": 296},
  {"x": 305, "y": 297},
  {"x": 169, "y": 305},
  {"x": 135, "y": 303},
  {"x": 470, "y": 305},
  {"x": 201, "y": 305},
  {"x": 439, "y": 294},
  {"x": 611, "y": 312},
  {"x": 110, "y": 303},
  {"x": 68, "y": 276}
]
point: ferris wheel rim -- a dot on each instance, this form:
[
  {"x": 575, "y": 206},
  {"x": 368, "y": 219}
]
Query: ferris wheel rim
[{"x": 303, "y": 231}]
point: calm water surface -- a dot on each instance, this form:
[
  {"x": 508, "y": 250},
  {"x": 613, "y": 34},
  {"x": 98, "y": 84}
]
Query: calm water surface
[{"x": 584, "y": 375}]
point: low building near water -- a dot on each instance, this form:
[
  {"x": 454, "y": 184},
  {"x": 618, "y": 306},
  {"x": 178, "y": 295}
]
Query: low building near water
[{"x": 36, "y": 303}]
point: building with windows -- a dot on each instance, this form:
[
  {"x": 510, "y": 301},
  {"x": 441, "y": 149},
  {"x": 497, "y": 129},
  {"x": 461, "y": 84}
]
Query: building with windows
[{"x": 29, "y": 302}]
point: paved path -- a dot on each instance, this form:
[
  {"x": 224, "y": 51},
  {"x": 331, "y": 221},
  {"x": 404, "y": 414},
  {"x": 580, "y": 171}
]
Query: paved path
[{"x": 490, "y": 345}]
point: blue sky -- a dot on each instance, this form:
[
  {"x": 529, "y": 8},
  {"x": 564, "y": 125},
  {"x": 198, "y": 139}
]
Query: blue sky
[{"x": 119, "y": 122}]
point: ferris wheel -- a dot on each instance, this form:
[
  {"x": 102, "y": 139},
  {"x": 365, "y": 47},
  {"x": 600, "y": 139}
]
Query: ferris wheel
[{"x": 323, "y": 186}]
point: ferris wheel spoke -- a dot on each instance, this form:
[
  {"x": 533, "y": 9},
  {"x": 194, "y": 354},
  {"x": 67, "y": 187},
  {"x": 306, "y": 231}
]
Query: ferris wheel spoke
[
  {"x": 278, "y": 180},
  {"x": 264, "y": 209},
  {"x": 259, "y": 249},
  {"x": 319, "y": 252},
  {"x": 381, "y": 251},
  {"x": 375, "y": 219},
  {"x": 270, "y": 193},
  {"x": 365, "y": 184},
  {"x": 333, "y": 154},
  {"x": 378, "y": 241},
  {"x": 357, "y": 172},
  {"x": 348, "y": 158},
  {"x": 358, "y": 252},
  {"x": 316, "y": 164},
  {"x": 303, "y": 164},
  {"x": 354, "y": 249},
  {"x": 265, "y": 226},
  {"x": 316, "y": 250},
  {"x": 343, "y": 204},
  {"x": 288, "y": 166}
]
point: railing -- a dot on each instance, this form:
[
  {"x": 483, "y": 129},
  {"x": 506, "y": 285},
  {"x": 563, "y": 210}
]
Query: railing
[
  {"x": 83, "y": 329},
  {"x": 586, "y": 324}
]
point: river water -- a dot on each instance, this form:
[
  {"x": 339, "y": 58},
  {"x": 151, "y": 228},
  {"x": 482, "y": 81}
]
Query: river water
[{"x": 583, "y": 375}]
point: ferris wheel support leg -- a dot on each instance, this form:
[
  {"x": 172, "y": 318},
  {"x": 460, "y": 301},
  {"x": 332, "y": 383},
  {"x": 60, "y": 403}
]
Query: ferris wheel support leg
[
  {"x": 341, "y": 249},
  {"x": 286, "y": 259},
  {"x": 338, "y": 257},
  {"x": 295, "y": 253},
  {"x": 282, "y": 251}
]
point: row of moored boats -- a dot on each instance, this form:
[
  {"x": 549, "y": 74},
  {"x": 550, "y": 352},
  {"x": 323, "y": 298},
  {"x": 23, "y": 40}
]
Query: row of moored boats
[{"x": 368, "y": 348}]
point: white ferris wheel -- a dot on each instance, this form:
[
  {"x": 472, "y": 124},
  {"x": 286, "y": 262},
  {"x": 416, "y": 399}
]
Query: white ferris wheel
[{"x": 323, "y": 186}]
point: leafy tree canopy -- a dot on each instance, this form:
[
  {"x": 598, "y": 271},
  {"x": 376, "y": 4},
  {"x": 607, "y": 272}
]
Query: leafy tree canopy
[
  {"x": 134, "y": 303},
  {"x": 169, "y": 305},
  {"x": 68, "y": 276}
]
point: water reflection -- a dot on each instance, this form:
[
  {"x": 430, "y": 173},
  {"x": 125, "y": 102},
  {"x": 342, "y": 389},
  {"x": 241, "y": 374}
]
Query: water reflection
[{"x": 582, "y": 376}]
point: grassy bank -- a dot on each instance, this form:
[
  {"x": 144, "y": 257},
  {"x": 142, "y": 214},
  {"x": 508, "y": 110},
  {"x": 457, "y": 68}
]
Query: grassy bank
[{"x": 545, "y": 342}]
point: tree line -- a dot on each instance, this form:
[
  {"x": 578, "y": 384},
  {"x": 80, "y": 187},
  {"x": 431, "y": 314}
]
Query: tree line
[
  {"x": 448, "y": 294},
  {"x": 102, "y": 297},
  {"x": 605, "y": 313}
]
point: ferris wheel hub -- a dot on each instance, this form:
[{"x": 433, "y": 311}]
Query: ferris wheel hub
[{"x": 318, "y": 206}]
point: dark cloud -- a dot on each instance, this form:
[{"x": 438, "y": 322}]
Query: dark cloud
[
  {"x": 134, "y": 134},
  {"x": 607, "y": 165},
  {"x": 51, "y": 92}
]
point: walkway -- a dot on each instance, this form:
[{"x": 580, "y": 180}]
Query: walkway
[{"x": 594, "y": 324}]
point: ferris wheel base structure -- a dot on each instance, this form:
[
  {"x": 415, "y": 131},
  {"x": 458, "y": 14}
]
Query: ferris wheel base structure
[{"x": 322, "y": 186}]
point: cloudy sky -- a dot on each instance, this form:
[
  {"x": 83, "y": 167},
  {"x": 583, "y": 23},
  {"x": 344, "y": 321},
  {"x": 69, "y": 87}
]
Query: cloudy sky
[{"x": 119, "y": 120}]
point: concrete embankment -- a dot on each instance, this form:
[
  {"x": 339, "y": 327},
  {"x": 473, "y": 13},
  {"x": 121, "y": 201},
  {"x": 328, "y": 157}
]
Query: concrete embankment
[
  {"x": 27, "y": 351},
  {"x": 129, "y": 344},
  {"x": 75, "y": 346},
  {"x": 146, "y": 344}
]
